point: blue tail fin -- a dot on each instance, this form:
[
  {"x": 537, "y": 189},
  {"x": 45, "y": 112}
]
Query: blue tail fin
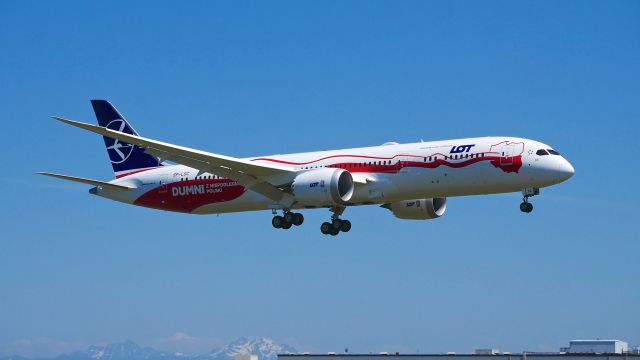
[{"x": 125, "y": 158}]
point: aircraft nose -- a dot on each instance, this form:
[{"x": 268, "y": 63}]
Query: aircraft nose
[{"x": 565, "y": 169}]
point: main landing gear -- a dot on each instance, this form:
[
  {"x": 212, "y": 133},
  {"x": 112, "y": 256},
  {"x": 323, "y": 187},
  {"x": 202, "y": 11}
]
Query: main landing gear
[
  {"x": 336, "y": 225},
  {"x": 526, "y": 206},
  {"x": 289, "y": 219},
  {"x": 286, "y": 221}
]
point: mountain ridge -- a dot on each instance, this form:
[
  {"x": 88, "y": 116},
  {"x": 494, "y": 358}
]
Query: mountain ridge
[{"x": 264, "y": 348}]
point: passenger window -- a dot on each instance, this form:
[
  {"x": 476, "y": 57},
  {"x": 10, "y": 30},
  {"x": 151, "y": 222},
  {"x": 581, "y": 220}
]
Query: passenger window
[{"x": 542, "y": 152}]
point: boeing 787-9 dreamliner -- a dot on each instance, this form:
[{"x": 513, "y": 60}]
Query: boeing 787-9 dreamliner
[{"x": 413, "y": 180}]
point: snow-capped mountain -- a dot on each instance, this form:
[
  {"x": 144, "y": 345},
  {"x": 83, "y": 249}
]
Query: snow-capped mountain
[{"x": 264, "y": 348}]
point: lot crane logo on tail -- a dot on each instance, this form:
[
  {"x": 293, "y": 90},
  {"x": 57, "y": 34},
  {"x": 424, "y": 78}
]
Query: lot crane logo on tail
[{"x": 119, "y": 152}]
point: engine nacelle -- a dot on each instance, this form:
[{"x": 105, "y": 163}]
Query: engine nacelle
[
  {"x": 418, "y": 209},
  {"x": 324, "y": 186}
]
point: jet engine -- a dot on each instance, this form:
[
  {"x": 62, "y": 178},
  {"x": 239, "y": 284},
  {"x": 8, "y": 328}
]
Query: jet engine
[
  {"x": 322, "y": 187},
  {"x": 418, "y": 209}
]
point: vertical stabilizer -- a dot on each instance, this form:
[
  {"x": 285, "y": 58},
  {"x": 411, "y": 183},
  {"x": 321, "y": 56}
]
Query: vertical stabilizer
[{"x": 125, "y": 158}]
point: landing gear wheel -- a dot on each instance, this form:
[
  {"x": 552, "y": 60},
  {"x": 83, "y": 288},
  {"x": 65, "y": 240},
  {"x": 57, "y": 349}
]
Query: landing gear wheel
[
  {"x": 345, "y": 225},
  {"x": 326, "y": 228},
  {"x": 277, "y": 221},
  {"x": 288, "y": 217},
  {"x": 523, "y": 206},
  {"x": 526, "y": 207},
  {"x": 336, "y": 225},
  {"x": 286, "y": 225},
  {"x": 298, "y": 219}
]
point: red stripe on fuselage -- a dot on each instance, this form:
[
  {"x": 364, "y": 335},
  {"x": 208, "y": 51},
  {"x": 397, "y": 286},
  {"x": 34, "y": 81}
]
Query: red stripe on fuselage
[
  {"x": 506, "y": 164},
  {"x": 339, "y": 156}
]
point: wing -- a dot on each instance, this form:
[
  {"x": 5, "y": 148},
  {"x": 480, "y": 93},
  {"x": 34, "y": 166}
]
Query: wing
[
  {"x": 246, "y": 173},
  {"x": 101, "y": 184}
]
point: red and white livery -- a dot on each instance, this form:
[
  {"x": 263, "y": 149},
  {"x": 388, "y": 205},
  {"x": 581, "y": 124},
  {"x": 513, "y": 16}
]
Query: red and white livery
[{"x": 411, "y": 180}]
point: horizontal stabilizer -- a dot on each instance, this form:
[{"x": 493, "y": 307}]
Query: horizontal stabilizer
[{"x": 101, "y": 184}]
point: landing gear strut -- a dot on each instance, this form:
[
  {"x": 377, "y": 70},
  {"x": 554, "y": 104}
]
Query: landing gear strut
[
  {"x": 286, "y": 221},
  {"x": 526, "y": 206},
  {"x": 336, "y": 225}
]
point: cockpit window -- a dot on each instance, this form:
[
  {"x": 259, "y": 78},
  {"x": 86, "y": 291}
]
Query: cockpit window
[
  {"x": 553, "y": 152},
  {"x": 542, "y": 152}
]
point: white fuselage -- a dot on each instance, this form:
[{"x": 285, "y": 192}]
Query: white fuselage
[{"x": 382, "y": 174}]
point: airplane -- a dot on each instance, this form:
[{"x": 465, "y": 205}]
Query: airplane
[{"x": 413, "y": 180}]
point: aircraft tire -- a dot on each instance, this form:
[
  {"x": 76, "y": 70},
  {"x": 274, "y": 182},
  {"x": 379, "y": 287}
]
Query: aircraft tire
[
  {"x": 288, "y": 217},
  {"x": 345, "y": 225},
  {"x": 325, "y": 228},
  {"x": 526, "y": 207},
  {"x": 298, "y": 219},
  {"x": 523, "y": 207},
  {"x": 277, "y": 222}
]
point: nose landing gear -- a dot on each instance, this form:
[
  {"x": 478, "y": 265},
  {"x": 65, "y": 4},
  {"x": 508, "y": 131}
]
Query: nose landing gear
[{"x": 526, "y": 206}]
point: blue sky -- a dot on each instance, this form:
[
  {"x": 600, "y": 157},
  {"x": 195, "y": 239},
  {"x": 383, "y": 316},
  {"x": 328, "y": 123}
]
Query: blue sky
[{"x": 250, "y": 78}]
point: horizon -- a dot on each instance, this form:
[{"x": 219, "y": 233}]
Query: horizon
[
  {"x": 262, "y": 339},
  {"x": 249, "y": 78}
]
